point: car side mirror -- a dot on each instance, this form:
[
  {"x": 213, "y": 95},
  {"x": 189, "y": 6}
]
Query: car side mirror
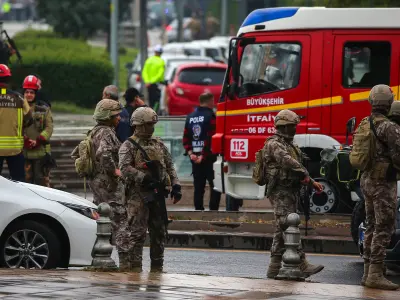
[{"x": 129, "y": 66}]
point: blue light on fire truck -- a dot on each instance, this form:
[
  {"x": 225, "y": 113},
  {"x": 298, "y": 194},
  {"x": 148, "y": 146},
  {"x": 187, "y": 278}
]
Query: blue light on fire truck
[{"x": 269, "y": 14}]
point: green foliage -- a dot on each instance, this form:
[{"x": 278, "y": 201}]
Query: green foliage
[
  {"x": 71, "y": 70},
  {"x": 77, "y": 18}
]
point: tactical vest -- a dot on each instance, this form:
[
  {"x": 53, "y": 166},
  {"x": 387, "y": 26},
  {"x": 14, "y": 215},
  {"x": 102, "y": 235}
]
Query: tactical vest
[
  {"x": 11, "y": 123},
  {"x": 274, "y": 170},
  {"x": 154, "y": 150},
  {"x": 39, "y": 115}
]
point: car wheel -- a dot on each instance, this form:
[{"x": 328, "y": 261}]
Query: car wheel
[
  {"x": 357, "y": 217},
  {"x": 30, "y": 245}
]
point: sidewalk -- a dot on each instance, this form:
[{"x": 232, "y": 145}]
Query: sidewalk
[{"x": 40, "y": 284}]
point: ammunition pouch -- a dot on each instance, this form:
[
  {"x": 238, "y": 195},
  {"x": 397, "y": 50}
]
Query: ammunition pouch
[{"x": 383, "y": 171}]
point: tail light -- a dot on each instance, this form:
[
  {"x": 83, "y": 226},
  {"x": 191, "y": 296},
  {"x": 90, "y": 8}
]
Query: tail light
[
  {"x": 168, "y": 28},
  {"x": 225, "y": 169}
]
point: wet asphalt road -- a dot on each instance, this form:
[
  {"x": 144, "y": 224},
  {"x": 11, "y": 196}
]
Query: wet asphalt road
[{"x": 251, "y": 264}]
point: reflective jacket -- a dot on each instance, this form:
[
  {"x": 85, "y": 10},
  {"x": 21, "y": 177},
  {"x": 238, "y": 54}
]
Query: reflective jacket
[
  {"x": 153, "y": 70},
  {"x": 41, "y": 130},
  {"x": 14, "y": 115}
]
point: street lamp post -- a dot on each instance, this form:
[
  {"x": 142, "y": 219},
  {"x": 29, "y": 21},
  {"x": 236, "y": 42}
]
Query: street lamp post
[{"x": 114, "y": 39}]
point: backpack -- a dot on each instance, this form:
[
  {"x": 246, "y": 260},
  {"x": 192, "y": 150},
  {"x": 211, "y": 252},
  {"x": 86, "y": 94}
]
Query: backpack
[
  {"x": 85, "y": 156},
  {"x": 259, "y": 174},
  {"x": 364, "y": 145}
]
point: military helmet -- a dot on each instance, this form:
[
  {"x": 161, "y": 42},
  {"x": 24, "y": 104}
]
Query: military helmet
[
  {"x": 395, "y": 109},
  {"x": 286, "y": 117},
  {"x": 144, "y": 115},
  {"x": 106, "y": 108},
  {"x": 381, "y": 95}
]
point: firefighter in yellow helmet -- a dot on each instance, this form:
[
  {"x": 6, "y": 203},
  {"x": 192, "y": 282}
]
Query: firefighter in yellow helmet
[{"x": 15, "y": 115}]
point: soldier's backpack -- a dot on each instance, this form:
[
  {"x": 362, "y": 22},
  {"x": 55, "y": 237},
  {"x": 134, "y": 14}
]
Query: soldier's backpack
[
  {"x": 259, "y": 172},
  {"x": 364, "y": 145},
  {"x": 85, "y": 156}
]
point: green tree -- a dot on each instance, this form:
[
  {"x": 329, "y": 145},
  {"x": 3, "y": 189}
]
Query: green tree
[{"x": 77, "y": 18}]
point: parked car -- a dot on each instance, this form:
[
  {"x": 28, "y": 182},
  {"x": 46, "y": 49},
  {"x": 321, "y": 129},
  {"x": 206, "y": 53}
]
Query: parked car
[
  {"x": 189, "y": 82},
  {"x": 223, "y": 43},
  {"x": 170, "y": 73},
  {"x": 44, "y": 228},
  {"x": 172, "y": 31},
  {"x": 209, "y": 49}
]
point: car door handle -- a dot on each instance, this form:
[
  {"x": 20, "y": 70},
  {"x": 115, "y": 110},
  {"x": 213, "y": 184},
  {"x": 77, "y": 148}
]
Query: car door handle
[{"x": 302, "y": 117}]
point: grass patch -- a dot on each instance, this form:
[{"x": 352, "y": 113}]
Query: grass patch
[{"x": 71, "y": 108}]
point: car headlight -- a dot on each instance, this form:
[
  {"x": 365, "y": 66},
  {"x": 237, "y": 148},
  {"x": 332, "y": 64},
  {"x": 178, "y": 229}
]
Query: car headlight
[{"x": 89, "y": 212}]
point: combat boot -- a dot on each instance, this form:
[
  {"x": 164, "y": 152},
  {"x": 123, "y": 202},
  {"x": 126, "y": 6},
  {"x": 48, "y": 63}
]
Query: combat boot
[
  {"x": 157, "y": 266},
  {"x": 135, "y": 264},
  {"x": 376, "y": 280},
  {"x": 309, "y": 269},
  {"x": 365, "y": 275},
  {"x": 124, "y": 265},
  {"x": 274, "y": 266}
]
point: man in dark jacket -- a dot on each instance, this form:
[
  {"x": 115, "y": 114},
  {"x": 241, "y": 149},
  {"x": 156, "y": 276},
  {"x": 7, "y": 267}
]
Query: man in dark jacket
[{"x": 199, "y": 129}]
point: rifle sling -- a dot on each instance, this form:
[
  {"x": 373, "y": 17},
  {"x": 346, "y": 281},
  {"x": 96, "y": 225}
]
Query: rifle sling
[{"x": 134, "y": 143}]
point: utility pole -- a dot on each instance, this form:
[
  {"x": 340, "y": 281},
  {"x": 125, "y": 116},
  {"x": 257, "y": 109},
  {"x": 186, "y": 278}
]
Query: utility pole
[
  {"x": 224, "y": 16},
  {"x": 179, "y": 14},
  {"x": 114, "y": 39},
  {"x": 136, "y": 20},
  {"x": 143, "y": 39}
]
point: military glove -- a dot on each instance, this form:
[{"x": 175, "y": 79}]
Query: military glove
[{"x": 176, "y": 192}]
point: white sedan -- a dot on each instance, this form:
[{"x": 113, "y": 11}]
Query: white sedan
[{"x": 44, "y": 228}]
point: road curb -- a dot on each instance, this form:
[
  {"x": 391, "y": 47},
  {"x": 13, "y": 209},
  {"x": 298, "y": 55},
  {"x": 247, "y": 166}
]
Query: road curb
[{"x": 255, "y": 241}]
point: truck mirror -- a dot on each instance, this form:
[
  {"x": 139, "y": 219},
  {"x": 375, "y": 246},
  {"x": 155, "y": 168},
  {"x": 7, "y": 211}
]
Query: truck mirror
[{"x": 351, "y": 124}]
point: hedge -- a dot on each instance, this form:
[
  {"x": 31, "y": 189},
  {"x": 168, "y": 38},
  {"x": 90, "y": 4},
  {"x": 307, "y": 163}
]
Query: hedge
[{"x": 70, "y": 69}]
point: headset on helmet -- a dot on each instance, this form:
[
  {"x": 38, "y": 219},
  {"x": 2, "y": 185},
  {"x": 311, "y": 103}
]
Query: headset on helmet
[{"x": 31, "y": 82}]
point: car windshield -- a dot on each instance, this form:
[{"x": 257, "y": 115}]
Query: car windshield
[
  {"x": 192, "y": 51},
  {"x": 202, "y": 76},
  {"x": 269, "y": 67},
  {"x": 212, "y": 52}
]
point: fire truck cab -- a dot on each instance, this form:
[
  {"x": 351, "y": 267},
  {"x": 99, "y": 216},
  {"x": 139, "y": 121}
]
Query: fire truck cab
[{"x": 319, "y": 62}]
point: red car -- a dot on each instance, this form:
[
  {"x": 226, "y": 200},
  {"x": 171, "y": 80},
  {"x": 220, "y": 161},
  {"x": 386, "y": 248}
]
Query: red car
[{"x": 189, "y": 82}]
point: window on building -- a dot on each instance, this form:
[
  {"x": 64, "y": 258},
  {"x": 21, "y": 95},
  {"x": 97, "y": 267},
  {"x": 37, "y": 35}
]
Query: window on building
[
  {"x": 267, "y": 68},
  {"x": 366, "y": 64}
]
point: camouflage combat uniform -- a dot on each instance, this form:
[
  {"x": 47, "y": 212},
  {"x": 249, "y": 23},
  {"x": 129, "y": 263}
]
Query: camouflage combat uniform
[
  {"x": 379, "y": 186},
  {"x": 283, "y": 164},
  {"x": 104, "y": 183},
  {"x": 140, "y": 215}
]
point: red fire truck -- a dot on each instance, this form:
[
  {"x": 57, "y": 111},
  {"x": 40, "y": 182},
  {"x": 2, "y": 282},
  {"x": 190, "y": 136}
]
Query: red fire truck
[{"x": 319, "y": 62}]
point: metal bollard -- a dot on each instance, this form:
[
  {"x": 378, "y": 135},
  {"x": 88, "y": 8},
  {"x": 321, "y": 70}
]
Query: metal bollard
[
  {"x": 291, "y": 258},
  {"x": 102, "y": 248}
]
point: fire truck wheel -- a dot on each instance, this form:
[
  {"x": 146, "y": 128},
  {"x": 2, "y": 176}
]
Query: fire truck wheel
[
  {"x": 233, "y": 204},
  {"x": 326, "y": 201}
]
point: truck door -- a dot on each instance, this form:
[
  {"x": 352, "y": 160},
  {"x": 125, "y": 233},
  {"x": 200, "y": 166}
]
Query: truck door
[
  {"x": 360, "y": 62},
  {"x": 274, "y": 75}
]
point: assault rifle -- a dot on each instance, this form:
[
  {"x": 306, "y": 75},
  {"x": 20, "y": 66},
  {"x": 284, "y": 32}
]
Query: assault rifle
[
  {"x": 160, "y": 192},
  {"x": 8, "y": 47}
]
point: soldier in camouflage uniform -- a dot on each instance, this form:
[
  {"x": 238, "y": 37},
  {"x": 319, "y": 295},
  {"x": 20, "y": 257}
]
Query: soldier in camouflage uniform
[
  {"x": 139, "y": 184},
  {"x": 379, "y": 186},
  {"x": 285, "y": 175},
  {"x": 105, "y": 183}
]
